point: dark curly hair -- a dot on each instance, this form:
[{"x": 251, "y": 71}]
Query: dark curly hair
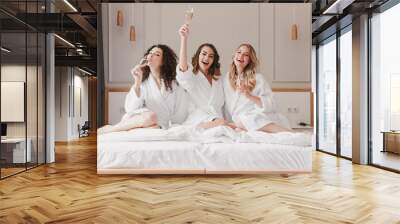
[
  {"x": 168, "y": 67},
  {"x": 214, "y": 70}
]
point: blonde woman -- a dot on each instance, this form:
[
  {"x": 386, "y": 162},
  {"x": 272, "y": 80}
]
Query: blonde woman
[
  {"x": 202, "y": 81},
  {"x": 248, "y": 97}
]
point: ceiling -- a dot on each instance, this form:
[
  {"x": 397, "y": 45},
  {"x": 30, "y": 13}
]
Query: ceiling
[{"x": 76, "y": 22}]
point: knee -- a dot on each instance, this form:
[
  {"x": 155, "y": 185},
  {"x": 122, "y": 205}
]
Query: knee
[
  {"x": 150, "y": 118},
  {"x": 125, "y": 117}
]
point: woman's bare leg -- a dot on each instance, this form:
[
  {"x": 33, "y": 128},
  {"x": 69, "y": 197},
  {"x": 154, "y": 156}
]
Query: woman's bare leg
[
  {"x": 232, "y": 125},
  {"x": 143, "y": 120},
  {"x": 211, "y": 124},
  {"x": 273, "y": 128},
  {"x": 239, "y": 126}
]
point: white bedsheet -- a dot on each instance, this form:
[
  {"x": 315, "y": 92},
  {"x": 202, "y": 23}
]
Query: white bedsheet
[
  {"x": 149, "y": 155},
  {"x": 217, "y": 149},
  {"x": 206, "y": 156},
  {"x": 256, "y": 156}
]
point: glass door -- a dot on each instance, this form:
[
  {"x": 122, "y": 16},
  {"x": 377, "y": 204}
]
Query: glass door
[
  {"x": 326, "y": 88},
  {"x": 346, "y": 95},
  {"x": 385, "y": 89}
]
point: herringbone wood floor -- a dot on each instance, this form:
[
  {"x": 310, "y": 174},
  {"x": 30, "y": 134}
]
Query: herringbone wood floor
[{"x": 70, "y": 191}]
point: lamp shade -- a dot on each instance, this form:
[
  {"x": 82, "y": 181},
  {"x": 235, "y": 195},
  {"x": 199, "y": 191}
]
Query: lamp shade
[
  {"x": 294, "y": 34},
  {"x": 120, "y": 18},
  {"x": 132, "y": 33}
]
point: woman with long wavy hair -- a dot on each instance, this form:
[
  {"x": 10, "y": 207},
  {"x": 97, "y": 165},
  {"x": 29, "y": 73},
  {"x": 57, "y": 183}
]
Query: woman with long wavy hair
[
  {"x": 202, "y": 81},
  {"x": 155, "y": 99},
  {"x": 248, "y": 96}
]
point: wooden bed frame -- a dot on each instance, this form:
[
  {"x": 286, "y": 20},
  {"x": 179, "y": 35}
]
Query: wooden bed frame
[
  {"x": 196, "y": 171},
  {"x": 109, "y": 89}
]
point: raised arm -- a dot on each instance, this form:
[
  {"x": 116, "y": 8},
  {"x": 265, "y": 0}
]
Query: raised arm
[{"x": 183, "y": 33}]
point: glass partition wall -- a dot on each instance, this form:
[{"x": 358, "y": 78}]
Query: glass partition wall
[
  {"x": 22, "y": 77},
  {"x": 327, "y": 95},
  {"x": 346, "y": 92}
]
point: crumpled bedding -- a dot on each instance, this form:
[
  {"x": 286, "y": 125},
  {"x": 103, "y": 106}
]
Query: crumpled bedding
[
  {"x": 220, "y": 134},
  {"x": 215, "y": 149}
]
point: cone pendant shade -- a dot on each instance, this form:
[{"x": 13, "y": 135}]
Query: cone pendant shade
[
  {"x": 132, "y": 33},
  {"x": 120, "y": 18},
  {"x": 294, "y": 32}
]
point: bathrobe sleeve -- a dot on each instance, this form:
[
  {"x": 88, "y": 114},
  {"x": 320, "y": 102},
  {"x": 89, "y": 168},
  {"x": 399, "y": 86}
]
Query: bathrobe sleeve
[
  {"x": 185, "y": 79},
  {"x": 263, "y": 90},
  {"x": 132, "y": 101},
  {"x": 181, "y": 105}
]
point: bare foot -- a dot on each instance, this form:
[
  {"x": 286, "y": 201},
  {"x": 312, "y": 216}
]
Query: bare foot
[
  {"x": 156, "y": 126},
  {"x": 239, "y": 129},
  {"x": 105, "y": 129},
  {"x": 231, "y": 125},
  {"x": 212, "y": 124}
]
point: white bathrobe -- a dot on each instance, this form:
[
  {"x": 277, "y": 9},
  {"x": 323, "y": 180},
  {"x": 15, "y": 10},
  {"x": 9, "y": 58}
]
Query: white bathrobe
[
  {"x": 170, "y": 107},
  {"x": 206, "y": 100},
  {"x": 253, "y": 117}
]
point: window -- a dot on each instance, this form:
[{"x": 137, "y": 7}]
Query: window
[
  {"x": 346, "y": 93},
  {"x": 327, "y": 96},
  {"x": 385, "y": 84},
  {"x": 395, "y": 102}
]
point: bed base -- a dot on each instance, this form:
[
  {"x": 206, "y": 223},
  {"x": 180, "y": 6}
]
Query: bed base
[{"x": 283, "y": 173}]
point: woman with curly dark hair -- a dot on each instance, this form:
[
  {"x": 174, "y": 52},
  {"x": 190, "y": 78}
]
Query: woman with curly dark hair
[
  {"x": 202, "y": 81},
  {"x": 155, "y": 99}
]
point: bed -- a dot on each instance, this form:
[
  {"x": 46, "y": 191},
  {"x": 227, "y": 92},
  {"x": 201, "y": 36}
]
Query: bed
[{"x": 183, "y": 150}]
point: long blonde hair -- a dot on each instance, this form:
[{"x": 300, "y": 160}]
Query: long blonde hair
[{"x": 249, "y": 72}]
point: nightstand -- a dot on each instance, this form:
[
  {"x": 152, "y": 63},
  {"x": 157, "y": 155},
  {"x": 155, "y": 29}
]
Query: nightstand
[
  {"x": 13, "y": 150},
  {"x": 391, "y": 141}
]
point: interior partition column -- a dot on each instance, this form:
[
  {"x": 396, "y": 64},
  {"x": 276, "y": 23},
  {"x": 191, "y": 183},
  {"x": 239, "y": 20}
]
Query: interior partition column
[{"x": 360, "y": 90}]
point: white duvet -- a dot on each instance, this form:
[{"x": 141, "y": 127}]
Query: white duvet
[
  {"x": 215, "y": 149},
  {"x": 220, "y": 134}
]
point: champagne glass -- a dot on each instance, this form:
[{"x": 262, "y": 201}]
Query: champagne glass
[
  {"x": 143, "y": 61},
  {"x": 189, "y": 16},
  {"x": 240, "y": 80}
]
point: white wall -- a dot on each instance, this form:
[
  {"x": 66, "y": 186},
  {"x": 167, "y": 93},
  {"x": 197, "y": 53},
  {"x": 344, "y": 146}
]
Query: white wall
[
  {"x": 286, "y": 63},
  {"x": 67, "y": 117},
  {"x": 61, "y": 103},
  {"x": 80, "y": 83}
]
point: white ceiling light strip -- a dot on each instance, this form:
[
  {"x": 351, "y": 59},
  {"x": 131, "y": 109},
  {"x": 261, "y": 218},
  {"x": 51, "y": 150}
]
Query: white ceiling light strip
[
  {"x": 65, "y": 41},
  {"x": 70, "y": 5}
]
